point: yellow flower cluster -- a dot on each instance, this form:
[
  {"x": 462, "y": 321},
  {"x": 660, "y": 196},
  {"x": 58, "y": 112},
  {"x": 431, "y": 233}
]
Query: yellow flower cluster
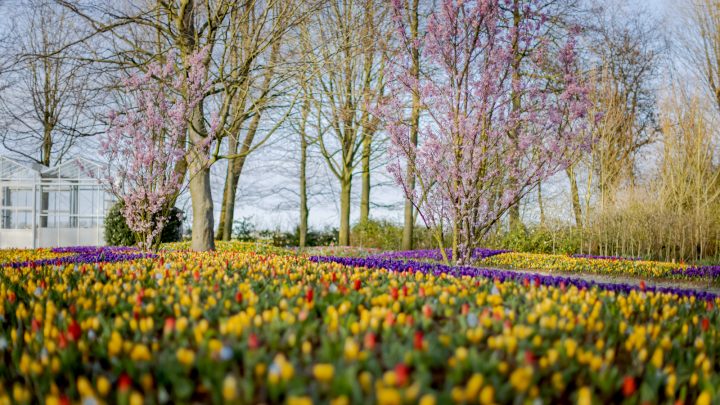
[
  {"x": 568, "y": 264},
  {"x": 243, "y": 327}
]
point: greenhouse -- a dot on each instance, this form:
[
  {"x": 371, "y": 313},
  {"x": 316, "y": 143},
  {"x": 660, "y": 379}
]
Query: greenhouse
[{"x": 57, "y": 206}]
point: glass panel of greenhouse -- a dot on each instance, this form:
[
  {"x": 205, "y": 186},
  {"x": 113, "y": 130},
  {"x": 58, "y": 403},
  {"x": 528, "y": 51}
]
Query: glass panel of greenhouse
[{"x": 46, "y": 207}]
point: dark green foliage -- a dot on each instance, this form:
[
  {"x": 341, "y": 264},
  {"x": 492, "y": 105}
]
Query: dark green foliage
[
  {"x": 117, "y": 233},
  {"x": 243, "y": 229}
]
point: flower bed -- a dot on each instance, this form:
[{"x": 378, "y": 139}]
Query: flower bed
[
  {"x": 712, "y": 272},
  {"x": 239, "y": 327},
  {"x": 24, "y": 255},
  {"x": 229, "y": 246},
  {"x": 562, "y": 263},
  {"x": 584, "y": 256},
  {"x": 85, "y": 254},
  {"x": 435, "y": 254}
]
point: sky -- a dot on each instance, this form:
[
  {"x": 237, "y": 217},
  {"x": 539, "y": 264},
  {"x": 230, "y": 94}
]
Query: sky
[{"x": 267, "y": 193}]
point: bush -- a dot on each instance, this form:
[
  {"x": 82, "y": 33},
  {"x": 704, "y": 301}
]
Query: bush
[
  {"x": 243, "y": 229},
  {"x": 117, "y": 233},
  {"x": 380, "y": 234},
  {"x": 323, "y": 237},
  {"x": 539, "y": 239}
]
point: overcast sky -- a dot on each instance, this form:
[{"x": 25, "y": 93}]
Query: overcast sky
[{"x": 268, "y": 187}]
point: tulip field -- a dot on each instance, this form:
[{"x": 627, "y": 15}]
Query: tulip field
[{"x": 257, "y": 324}]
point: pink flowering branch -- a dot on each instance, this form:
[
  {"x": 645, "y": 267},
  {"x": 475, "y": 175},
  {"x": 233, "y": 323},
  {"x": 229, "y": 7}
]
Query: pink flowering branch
[
  {"x": 477, "y": 154},
  {"x": 147, "y": 142}
]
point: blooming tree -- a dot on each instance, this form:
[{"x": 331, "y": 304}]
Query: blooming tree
[
  {"x": 478, "y": 153},
  {"x": 146, "y": 146}
]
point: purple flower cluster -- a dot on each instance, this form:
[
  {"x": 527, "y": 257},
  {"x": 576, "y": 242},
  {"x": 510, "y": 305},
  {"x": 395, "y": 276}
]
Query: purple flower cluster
[
  {"x": 698, "y": 272},
  {"x": 503, "y": 275},
  {"x": 433, "y": 254},
  {"x": 582, "y": 256},
  {"x": 87, "y": 254},
  {"x": 94, "y": 249}
]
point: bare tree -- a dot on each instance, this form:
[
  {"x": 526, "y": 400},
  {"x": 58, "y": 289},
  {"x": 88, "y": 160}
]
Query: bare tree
[
  {"x": 259, "y": 29},
  {"x": 345, "y": 44},
  {"x": 48, "y": 101},
  {"x": 701, "y": 45},
  {"x": 138, "y": 33}
]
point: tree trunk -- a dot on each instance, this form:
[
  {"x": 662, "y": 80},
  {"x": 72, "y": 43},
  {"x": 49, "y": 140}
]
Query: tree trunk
[
  {"x": 345, "y": 186},
  {"x": 200, "y": 191},
  {"x": 409, "y": 221},
  {"x": 202, "y": 206},
  {"x": 514, "y": 213},
  {"x": 365, "y": 191},
  {"x": 232, "y": 149},
  {"x": 540, "y": 204},
  {"x": 303, "y": 227},
  {"x": 235, "y": 168},
  {"x": 575, "y": 195}
]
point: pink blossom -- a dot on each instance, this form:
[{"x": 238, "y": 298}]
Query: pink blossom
[{"x": 477, "y": 154}]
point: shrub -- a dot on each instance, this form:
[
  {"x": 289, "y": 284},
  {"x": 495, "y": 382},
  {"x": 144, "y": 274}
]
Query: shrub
[
  {"x": 381, "y": 234},
  {"x": 243, "y": 229},
  {"x": 117, "y": 233}
]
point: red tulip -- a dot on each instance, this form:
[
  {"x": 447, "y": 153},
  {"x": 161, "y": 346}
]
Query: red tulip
[
  {"x": 405, "y": 291},
  {"x": 124, "y": 382},
  {"x": 418, "y": 341},
  {"x": 253, "y": 341},
  {"x": 402, "y": 374},
  {"x": 169, "y": 324},
  {"x": 238, "y": 297},
  {"x": 309, "y": 295},
  {"x": 628, "y": 386},
  {"x": 369, "y": 341},
  {"x": 529, "y": 357},
  {"x": 11, "y": 297},
  {"x": 389, "y": 318},
  {"x": 62, "y": 340},
  {"x": 74, "y": 330},
  {"x": 427, "y": 311},
  {"x": 465, "y": 308},
  {"x": 642, "y": 285},
  {"x": 357, "y": 284},
  {"x": 394, "y": 293},
  {"x": 705, "y": 324}
]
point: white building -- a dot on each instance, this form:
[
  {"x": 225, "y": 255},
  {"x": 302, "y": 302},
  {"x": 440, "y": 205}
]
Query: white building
[{"x": 46, "y": 207}]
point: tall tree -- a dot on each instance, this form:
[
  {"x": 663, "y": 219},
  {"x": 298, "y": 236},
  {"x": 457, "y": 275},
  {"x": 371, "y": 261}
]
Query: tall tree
[
  {"x": 346, "y": 49},
  {"x": 47, "y": 103},
  {"x": 140, "y": 33},
  {"x": 466, "y": 155},
  {"x": 258, "y": 33},
  {"x": 702, "y": 45},
  {"x": 147, "y": 140},
  {"x": 406, "y": 15}
]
